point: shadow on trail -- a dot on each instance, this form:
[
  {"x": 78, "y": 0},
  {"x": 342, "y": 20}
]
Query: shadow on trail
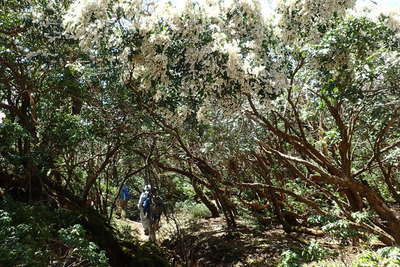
[{"x": 207, "y": 243}]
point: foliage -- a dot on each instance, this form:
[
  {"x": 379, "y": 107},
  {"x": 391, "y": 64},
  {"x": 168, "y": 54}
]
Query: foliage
[
  {"x": 18, "y": 244},
  {"x": 82, "y": 250},
  {"x": 340, "y": 228},
  {"x": 195, "y": 210},
  {"x": 33, "y": 235},
  {"x": 388, "y": 256},
  {"x": 284, "y": 114},
  {"x": 289, "y": 259},
  {"x": 313, "y": 252}
]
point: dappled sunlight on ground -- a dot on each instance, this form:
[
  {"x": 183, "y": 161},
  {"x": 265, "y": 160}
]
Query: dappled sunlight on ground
[
  {"x": 134, "y": 229},
  {"x": 209, "y": 243}
]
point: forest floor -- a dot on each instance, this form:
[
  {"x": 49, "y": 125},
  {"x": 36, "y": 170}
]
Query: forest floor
[
  {"x": 207, "y": 242},
  {"x": 134, "y": 229}
]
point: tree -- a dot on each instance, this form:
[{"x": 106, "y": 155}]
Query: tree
[
  {"x": 292, "y": 115},
  {"x": 64, "y": 124},
  {"x": 306, "y": 83}
]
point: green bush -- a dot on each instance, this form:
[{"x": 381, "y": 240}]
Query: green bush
[
  {"x": 290, "y": 259},
  {"x": 80, "y": 249},
  {"x": 21, "y": 243},
  {"x": 195, "y": 210},
  {"x": 341, "y": 228},
  {"x": 388, "y": 256},
  {"x": 34, "y": 235},
  {"x": 313, "y": 252}
]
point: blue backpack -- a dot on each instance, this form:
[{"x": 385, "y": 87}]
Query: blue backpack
[
  {"x": 147, "y": 204},
  {"x": 125, "y": 195}
]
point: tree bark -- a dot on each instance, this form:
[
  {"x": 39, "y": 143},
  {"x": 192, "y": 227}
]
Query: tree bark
[{"x": 211, "y": 207}]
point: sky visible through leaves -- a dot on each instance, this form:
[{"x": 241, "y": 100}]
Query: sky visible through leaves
[
  {"x": 267, "y": 4},
  {"x": 370, "y": 3}
]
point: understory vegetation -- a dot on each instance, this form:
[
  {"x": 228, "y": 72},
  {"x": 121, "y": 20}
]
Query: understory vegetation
[{"x": 272, "y": 134}]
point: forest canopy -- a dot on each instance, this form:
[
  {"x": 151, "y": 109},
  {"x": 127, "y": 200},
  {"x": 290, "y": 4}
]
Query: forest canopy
[{"x": 289, "y": 114}]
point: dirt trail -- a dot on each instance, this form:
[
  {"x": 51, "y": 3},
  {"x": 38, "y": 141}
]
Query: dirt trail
[
  {"x": 136, "y": 229},
  {"x": 207, "y": 242}
]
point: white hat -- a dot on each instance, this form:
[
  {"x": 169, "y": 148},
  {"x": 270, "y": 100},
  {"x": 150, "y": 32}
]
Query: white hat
[{"x": 147, "y": 187}]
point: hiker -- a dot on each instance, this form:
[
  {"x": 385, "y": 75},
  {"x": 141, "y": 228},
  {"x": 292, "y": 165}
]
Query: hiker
[
  {"x": 157, "y": 208},
  {"x": 150, "y": 206},
  {"x": 145, "y": 221},
  {"x": 124, "y": 196}
]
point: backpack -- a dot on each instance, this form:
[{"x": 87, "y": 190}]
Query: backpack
[
  {"x": 156, "y": 209},
  {"x": 147, "y": 204},
  {"x": 153, "y": 207},
  {"x": 125, "y": 194}
]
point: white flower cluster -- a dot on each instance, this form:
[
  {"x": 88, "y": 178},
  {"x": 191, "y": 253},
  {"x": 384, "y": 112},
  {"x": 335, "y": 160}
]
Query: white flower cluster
[
  {"x": 37, "y": 15},
  {"x": 206, "y": 49},
  {"x": 305, "y": 19},
  {"x": 88, "y": 19},
  {"x": 85, "y": 19},
  {"x": 389, "y": 70},
  {"x": 206, "y": 71},
  {"x": 376, "y": 11},
  {"x": 239, "y": 34},
  {"x": 393, "y": 19}
]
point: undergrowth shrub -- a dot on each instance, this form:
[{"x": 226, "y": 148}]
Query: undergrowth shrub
[
  {"x": 34, "y": 235},
  {"x": 314, "y": 251},
  {"x": 290, "y": 259},
  {"x": 81, "y": 250},
  {"x": 388, "y": 256},
  {"x": 340, "y": 228},
  {"x": 20, "y": 244},
  {"x": 294, "y": 257},
  {"x": 195, "y": 210}
]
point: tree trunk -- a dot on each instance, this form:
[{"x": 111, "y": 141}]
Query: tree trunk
[
  {"x": 354, "y": 200},
  {"x": 271, "y": 195},
  {"x": 227, "y": 208},
  {"x": 211, "y": 207}
]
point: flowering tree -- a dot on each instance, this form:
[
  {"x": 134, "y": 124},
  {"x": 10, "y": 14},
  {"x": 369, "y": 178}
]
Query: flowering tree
[
  {"x": 299, "y": 106},
  {"x": 220, "y": 46},
  {"x": 64, "y": 130},
  {"x": 318, "y": 79}
]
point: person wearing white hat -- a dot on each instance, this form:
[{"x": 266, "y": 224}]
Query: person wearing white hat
[{"x": 145, "y": 196}]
